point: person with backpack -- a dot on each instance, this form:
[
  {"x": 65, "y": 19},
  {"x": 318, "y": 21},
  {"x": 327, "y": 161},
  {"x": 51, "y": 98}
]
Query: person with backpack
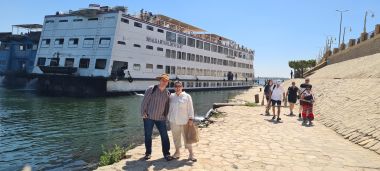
[
  {"x": 302, "y": 89},
  {"x": 267, "y": 93},
  {"x": 307, "y": 106},
  {"x": 154, "y": 110},
  {"x": 277, "y": 96}
]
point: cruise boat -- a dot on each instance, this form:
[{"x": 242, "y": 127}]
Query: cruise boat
[{"x": 101, "y": 50}]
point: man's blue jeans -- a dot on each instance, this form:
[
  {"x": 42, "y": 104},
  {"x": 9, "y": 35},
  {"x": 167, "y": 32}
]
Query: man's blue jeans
[{"x": 148, "y": 129}]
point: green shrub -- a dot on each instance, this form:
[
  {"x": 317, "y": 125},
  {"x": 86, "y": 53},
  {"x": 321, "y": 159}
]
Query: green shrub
[
  {"x": 249, "y": 104},
  {"x": 113, "y": 155}
]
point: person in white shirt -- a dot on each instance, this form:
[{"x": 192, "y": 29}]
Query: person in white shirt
[
  {"x": 278, "y": 94},
  {"x": 181, "y": 113}
]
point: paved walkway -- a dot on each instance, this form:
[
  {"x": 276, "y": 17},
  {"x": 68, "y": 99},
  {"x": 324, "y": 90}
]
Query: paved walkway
[{"x": 246, "y": 140}]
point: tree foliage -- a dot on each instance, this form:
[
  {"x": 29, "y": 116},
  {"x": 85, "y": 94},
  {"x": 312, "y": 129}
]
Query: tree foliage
[{"x": 300, "y": 66}]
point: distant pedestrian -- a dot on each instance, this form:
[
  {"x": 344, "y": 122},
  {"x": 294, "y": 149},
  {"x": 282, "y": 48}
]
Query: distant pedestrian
[
  {"x": 291, "y": 74},
  {"x": 154, "y": 110},
  {"x": 307, "y": 99},
  {"x": 302, "y": 89},
  {"x": 181, "y": 114},
  {"x": 277, "y": 96},
  {"x": 292, "y": 94},
  {"x": 267, "y": 93}
]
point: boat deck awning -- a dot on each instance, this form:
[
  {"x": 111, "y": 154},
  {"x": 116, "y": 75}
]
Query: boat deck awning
[{"x": 179, "y": 23}]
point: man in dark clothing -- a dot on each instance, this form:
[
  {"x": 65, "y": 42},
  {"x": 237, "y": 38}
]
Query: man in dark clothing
[
  {"x": 302, "y": 89},
  {"x": 291, "y": 74},
  {"x": 154, "y": 110},
  {"x": 267, "y": 92},
  {"x": 292, "y": 96}
]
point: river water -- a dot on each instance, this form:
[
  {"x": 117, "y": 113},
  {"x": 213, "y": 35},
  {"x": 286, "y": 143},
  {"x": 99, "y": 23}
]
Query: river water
[{"x": 56, "y": 133}]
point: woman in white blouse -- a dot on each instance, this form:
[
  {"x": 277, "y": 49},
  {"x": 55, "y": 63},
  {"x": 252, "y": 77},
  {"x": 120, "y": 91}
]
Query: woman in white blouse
[{"x": 181, "y": 113}]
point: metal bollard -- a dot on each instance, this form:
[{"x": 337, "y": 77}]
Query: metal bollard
[{"x": 257, "y": 98}]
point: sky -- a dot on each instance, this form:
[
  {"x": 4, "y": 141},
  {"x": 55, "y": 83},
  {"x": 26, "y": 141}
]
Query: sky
[{"x": 278, "y": 30}]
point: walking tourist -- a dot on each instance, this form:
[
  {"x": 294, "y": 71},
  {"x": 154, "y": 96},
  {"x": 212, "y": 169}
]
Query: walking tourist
[
  {"x": 154, "y": 110},
  {"x": 307, "y": 106},
  {"x": 291, "y": 94},
  {"x": 267, "y": 93},
  {"x": 302, "y": 89},
  {"x": 277, "y": 95},
  {"x": 181, "y": 114}
]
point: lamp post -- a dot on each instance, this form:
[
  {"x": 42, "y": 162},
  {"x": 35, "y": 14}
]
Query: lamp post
[
  {"x": 341, "y": 18},
  {"x": 365, "y": 19}
]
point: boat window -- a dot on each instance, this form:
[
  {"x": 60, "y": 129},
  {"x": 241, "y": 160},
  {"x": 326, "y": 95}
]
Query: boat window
[
  {"x": 137, "y": 24},
  {"x": 121, "y": 42},
  {"x": 170, "y": 36},
  {"x": 84, "y": 62},
  {"x": 88, "y": 42},
  {"x": 199, "y": 44},
  {"x": 225, "y": 51},
  {"x": 73, "y": 42},
  {"x": 104, "y": 42},
  {"x": 100, "y": 63},
  {"x": 160, "y": 49},
  {"x": 49, "y": 21},
  {"x": 149, "y": 68},
  {"x": 160, "y": 30},
  {"x": 93, "y": 19},
  {"x": 21, "y": 47},
  {"x": 118, "y": 68},
  {"x": 188, "y": 56},
  {"x": 214, "y": 48},
  {"x": 149, "y": 47},
  {"x": 167, "y": 54},
  {"x": 172, "y": 54},
  {"x": 69, "y": 62},
  {"x": 206, "y": 46},
  {"x": 136, "y": 45},
  {"x": 77, "y": 20},
  {"x": 149, "y": 28},
  {"x": 59, "y": 41},
  {"x": 190, "y": 42},
  {"x": 136, "y": 67},
  {"x": 192, "y": 57},
  {"x": 167, "y": 69},
  {"x": 172, "y": 70},
  {"x": 220, "y": 49},
  {"x": 45, "y": 43},
  {"x": 179, "y": 55},
  {"x": 54, "y": 62},
  {"x": 230, "y": 52},
  {"x": 197, "y": 58},
  {"x": 200, "y": 58},
  {"x": 41, "y": 61},
  {"x": 63, "y": 21},
  {"x": 160, "y": 67},
  {"x": 183, "y": 55},
  {"x": 181, "y": 39},
  {"x": 124, "y": 20}
]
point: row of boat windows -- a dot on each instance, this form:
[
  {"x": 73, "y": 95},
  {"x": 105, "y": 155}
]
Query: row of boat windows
[
  {"x": 204, "y": 59},
  {"x": 101, "y": 64},
  {"x": 104, "y": 42},
  {"x": 198, "y": 58},
  {"x": 77, "y": 20},
  {"x": 205, "y": 84},
  {"x": 183, "y": 40},
  {"x": 69, "y": 62}
]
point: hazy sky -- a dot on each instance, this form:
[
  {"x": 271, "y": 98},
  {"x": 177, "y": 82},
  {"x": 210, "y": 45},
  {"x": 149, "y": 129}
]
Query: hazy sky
[{"x": 278, "y": 30}]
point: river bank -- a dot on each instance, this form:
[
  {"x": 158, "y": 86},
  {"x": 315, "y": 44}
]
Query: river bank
[{"x": 244, "y": 139}]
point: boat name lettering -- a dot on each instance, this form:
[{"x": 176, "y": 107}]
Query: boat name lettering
[{"x": 163, "y": 42}]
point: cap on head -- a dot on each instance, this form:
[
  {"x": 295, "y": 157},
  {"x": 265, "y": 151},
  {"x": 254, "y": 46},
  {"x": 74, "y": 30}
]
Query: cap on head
[{"x": 163, "y": 77}]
